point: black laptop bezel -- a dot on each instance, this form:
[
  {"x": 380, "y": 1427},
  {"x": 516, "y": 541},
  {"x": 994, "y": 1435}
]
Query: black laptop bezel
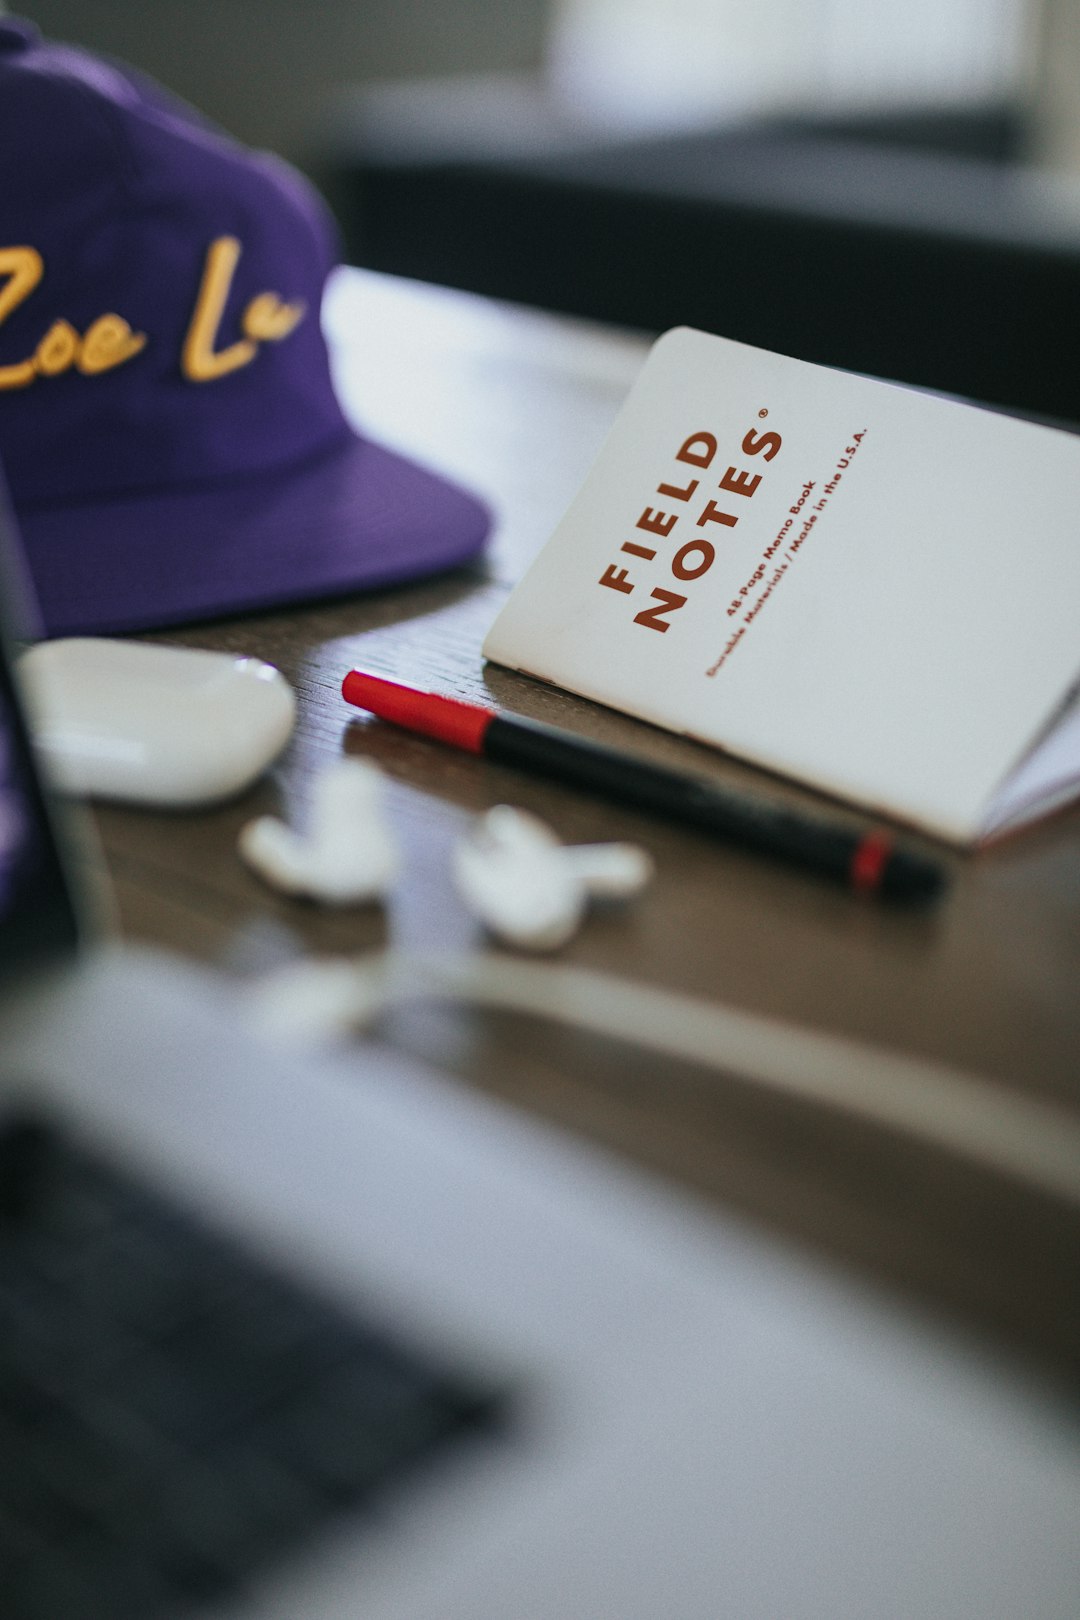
[{"x": 40, "y": 921}]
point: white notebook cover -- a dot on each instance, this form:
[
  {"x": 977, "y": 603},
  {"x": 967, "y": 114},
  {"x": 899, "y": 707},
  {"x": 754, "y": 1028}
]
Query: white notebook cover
[{"x": 873, "y": 590}]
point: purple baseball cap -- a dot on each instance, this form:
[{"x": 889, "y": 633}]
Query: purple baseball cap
[{"x": 168, "y": 425}]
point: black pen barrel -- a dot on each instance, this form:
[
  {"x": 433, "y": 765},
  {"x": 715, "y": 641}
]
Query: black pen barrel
[{"x": 764, "y": 828}]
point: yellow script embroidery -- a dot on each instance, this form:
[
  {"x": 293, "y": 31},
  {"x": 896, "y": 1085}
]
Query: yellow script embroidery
[
  {"x": 107, "y": 343},
  {"x": 57, "y": 349},
  {"x": 266, "y": 318},
  {"x": 25, "y": 267},
  {"x": 269, "y": 320}
]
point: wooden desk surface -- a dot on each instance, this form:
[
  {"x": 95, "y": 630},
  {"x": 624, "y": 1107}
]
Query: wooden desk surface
[{"x": 516, "y": 404}]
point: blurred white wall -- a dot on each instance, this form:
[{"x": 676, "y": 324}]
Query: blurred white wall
[
  {"x": 1055, "y": 81},
  {"x": 695, "y": 60}
]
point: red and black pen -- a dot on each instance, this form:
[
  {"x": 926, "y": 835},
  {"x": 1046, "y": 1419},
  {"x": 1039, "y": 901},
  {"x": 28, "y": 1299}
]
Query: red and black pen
[{"x": 865, "y": 861}]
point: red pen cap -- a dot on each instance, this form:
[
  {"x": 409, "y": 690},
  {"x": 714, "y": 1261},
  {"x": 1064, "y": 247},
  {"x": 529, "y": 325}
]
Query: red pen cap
[{"x": 448, "y": 719}]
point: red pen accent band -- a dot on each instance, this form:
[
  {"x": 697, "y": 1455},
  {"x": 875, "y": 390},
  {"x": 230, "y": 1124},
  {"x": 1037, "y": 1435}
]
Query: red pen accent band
[
  {"x": 462, "y": 725},
  {"x": 869, "y": 860}
]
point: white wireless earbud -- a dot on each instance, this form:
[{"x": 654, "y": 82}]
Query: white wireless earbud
[
  {"x": 532, "y": 891},
  {"x": 610, "y": 871},
  {"x": 511, "y": 874},
  {"x": 348, "y": 856}
]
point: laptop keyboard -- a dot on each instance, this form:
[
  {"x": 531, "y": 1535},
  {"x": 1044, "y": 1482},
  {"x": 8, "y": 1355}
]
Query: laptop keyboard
[{"x": 175, "y": 1416}]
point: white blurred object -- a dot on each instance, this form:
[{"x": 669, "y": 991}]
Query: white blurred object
[
  {"x": 326, "y": 1001},
  {"x": 349, "y": 855},
  {"x": 610, "y": 871},
  {"x": 175, "y": 727},
  {"x": 532, "y": 891},
  {"x": 317, "y": 1000},
  {"x": 705, "y": 63}
]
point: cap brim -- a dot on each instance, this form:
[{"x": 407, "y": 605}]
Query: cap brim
[{"x": 359, "y": 518}]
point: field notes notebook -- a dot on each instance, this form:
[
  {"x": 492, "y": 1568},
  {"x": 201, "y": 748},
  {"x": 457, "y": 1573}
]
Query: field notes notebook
[{"x": 869, "y": 589}]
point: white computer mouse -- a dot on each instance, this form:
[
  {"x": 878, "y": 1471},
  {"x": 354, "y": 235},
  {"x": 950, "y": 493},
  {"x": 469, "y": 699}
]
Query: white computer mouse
[{"x": 168, "y": 726}]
